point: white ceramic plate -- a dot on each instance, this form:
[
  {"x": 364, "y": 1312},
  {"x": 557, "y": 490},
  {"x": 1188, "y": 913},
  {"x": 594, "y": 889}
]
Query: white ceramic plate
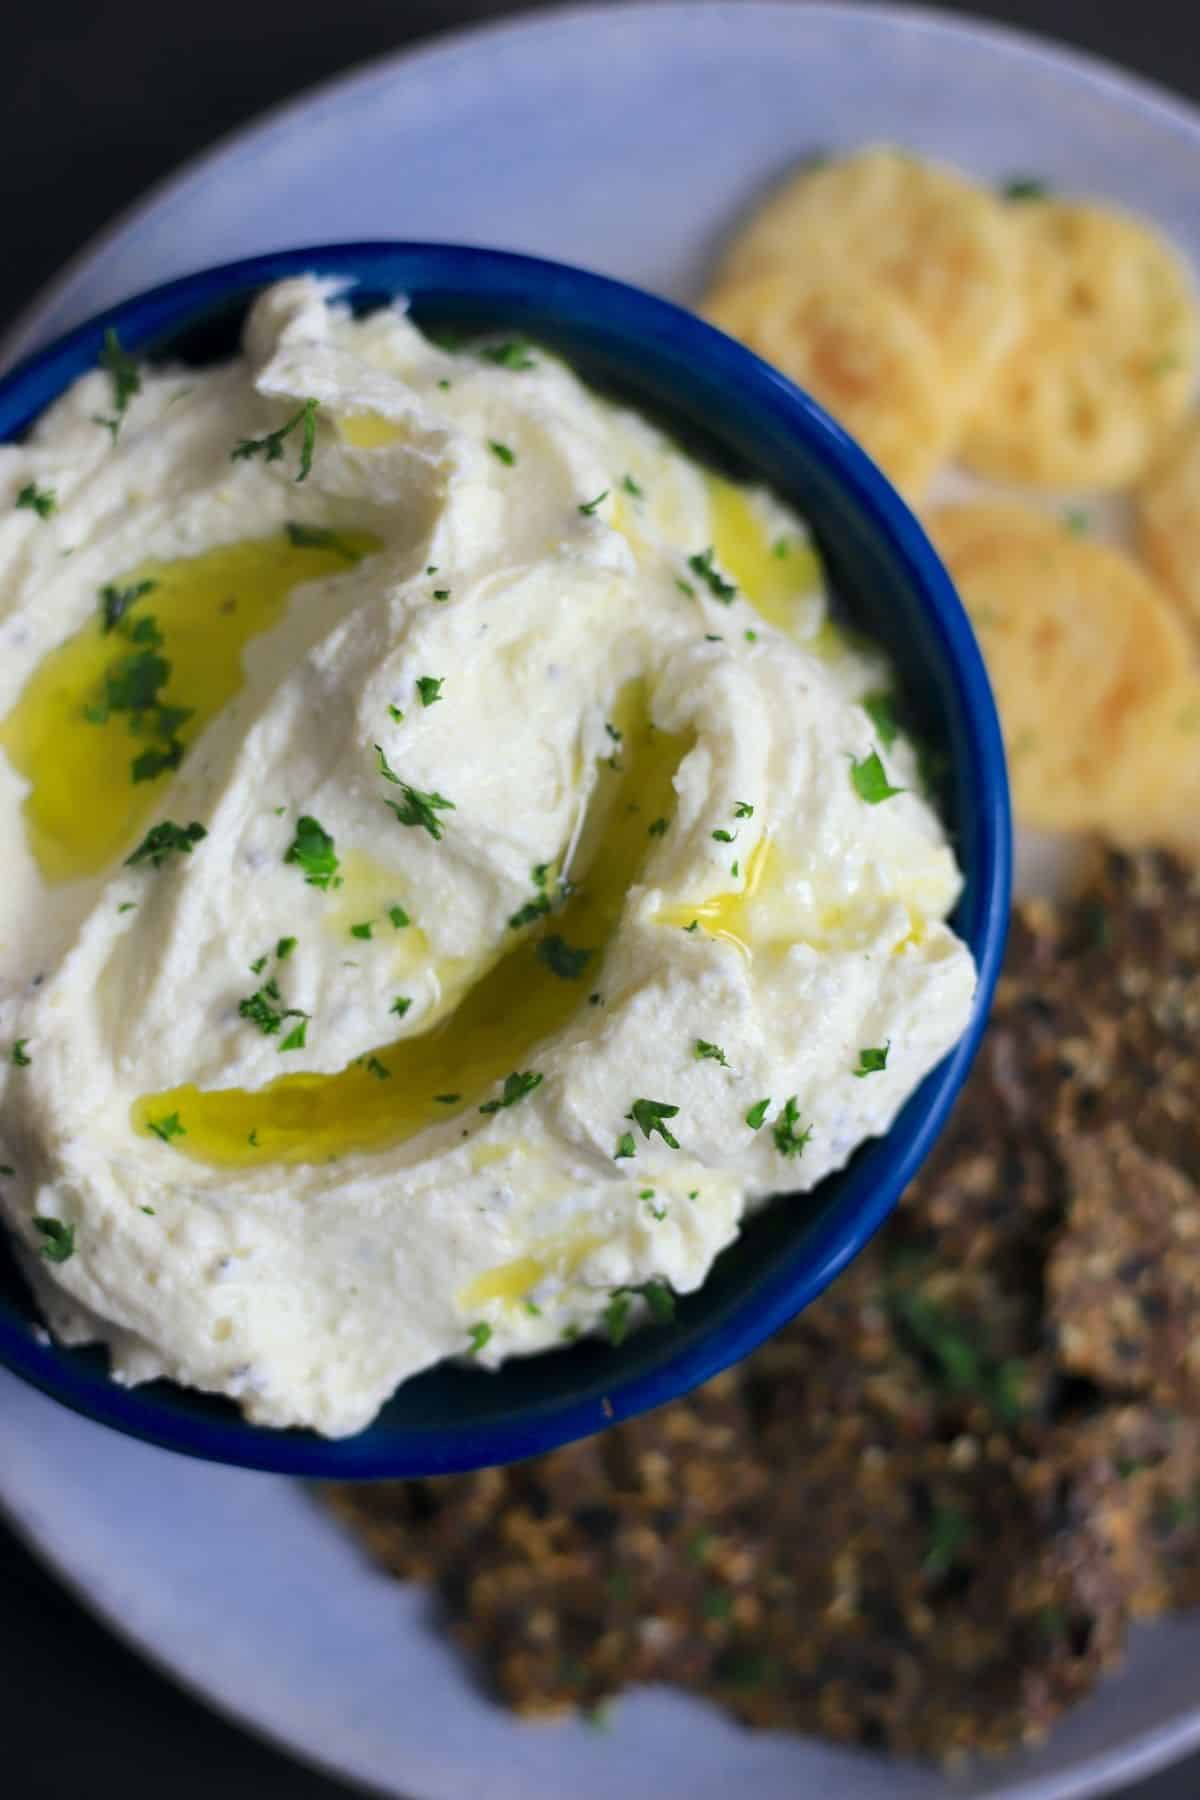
[{"x": 625, "y": 139}]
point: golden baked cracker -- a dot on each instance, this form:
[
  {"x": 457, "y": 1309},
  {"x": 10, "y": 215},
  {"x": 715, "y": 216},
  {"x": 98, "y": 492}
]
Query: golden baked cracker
[
  {"x": 1106, "y": 362},
  {"x": 1091, "y": 668},
  {"x": 858, "y": 352},
  {"x": 1168, "y": 518},
  {"x": 915, "y": 230}
]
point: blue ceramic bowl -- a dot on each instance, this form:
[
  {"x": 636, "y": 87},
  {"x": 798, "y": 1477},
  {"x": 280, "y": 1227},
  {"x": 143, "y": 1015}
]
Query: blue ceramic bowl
[{"x": 735, "y": 411}]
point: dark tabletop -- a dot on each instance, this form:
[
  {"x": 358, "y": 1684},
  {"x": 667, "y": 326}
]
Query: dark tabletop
[{"x": 96, "y": 102}]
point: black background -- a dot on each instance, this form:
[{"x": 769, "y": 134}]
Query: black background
[{"x": 98, "y": 100}]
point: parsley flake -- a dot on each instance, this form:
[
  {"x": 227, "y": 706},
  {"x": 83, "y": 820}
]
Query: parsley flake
[
  {"x": 364, "y": 930},
  {"x": 319, "y": 537},
  {"x": 625, "y": 1146},
  {"x": 284, "y": 948},
  {"x": 270, "y": 447},
  {"x": 870, "y": 779},
  {"x": 560, "y": 958},
  {"x": 441, "y": 593},
  {"x": 756, "y": 1115},
  {"x": 295, "y": 1039},
  {"x": 479, "y": 1335},
  {"x": 1025, "y": 187},
  {"x": 380, "y": 1070},
  {"x": 631, "y": 487},
  {"x": 706, "y": 1052},
  {"x": 743, "y": 810},
  {"x": 312, "y": 850},
  {"x": 430, "y": 688},
  {"x": 258, "y": 965},
  {"x": 125, "y": 377},
  {"x": 516, "y": 1086},
  {"x": 871, "y": 1062},
  {"x": 399, "y": 917},
  {"x": 400, "y": 1005},
  {"x": 395, "y": 715},
  {"x": 789, "y": 1141},
  {"x": 60, "y": 1239},
  {"x": 651, "y": 1116},
  {"x": 512, "y": 354},
  {"x": 419, "y": 808},
  {"x": 19, "y": 1055},
  {"x": 262, "y": 1008},
  {"x": 880, "y": 708},
  {"x": 616, "y": 1316},
  {"x": 701, "y": 565},
  {"x": 447, "y": 1099},
  {"x": 42, "y": 501},
  {"x": 588, "y": 507},
  {"x": 115, "y": 602},
  {"x": 657, "y": 828},
  {"x": 685, "y": 587},
  {"x": 502, "y": 452},
  {"x": 164, "y": 840},
  {"x": 168, "y": 1127},
  {"x": 725, "y": 837}
]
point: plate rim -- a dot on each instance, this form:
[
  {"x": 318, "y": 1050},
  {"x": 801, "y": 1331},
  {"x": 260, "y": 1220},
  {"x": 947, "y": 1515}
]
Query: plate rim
[{"x": 1152, "y": 1750}]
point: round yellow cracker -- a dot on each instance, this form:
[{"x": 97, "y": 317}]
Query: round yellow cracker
[
  {"x": 914, "y": 230},
  {"x": 1168, "y": 518},
  {"x": 1106, "y": 362},
  {"x": 1090, "y": 665},
  {"x": 859, "y": 353}
]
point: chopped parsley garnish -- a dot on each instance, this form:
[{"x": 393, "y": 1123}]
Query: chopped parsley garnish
[
  {"x": 441, "y": 593},
  {"x": 880, "y": 708},
  {"x": 380, "y": 1070},
  {"x": 657, "y": 828},
  {"x": 479, "y": 1335},
  {"x": 1025, "y": 187},
  {"x": 631, "y": 487},
  {"x": 870, "y": 1062},
  {"x": 694, "y": 926},
  {"x": 430, "y": 688},
  {"x": 19, "y": 1055},
  {"x": 502, "y": 452},
  {"x": 725, "y": 837},
  {"x": 743, "y": 810},
  {"x": 516, "y": 1086},
  {"x": 258, "y": 965},
  {"x": 701, "y": 565},
  {"x": 362, "y": 931},
  {"x": 312, "y": 850},
  {"x": 685, "y": 587},
  {"x": 270, "y": 447},
  {"x": 616, "y": 736},
  {"x": 589, "y": 506},
  {"x": 616, "y": 1316},
  {"x": 781, "y": 548},
  {"x": 541, "y": 902},
  {"x": 651, "y": 1115},
  {"x": 42, "y": 501},
  {"x": 164, "y": 840},
  {"x": 295, "y": 1038},
  {"x": 399, "y": 917},
  {"x": 284, "y": 948},
  {"x": 400, "y": 1005},
  {"x": 870, "y": 779},
  {"x": 706, "y": 1052},
  {"x": 262, "y": 1008},
  {"x": 756, "y": 1115},
  {"x": 115, "y": 602},
  {"x": 319, "y": 537},
  {"x": 561, "y": 959},
  {"x": 395, "y": 715},
  {"x": 625, "y": 1146},
  {"x": 447, "y": 1099},
  {"x": 168, "y": 1127},
  {"x": 125, "y": 377},
  {"x": 59, "y": 1246},
  {"x": 512, "y": 354},
  {"x": 788, "y": 1140},
  {"x": 751, "y": 636},
  {"x": 419, "y": 808}
]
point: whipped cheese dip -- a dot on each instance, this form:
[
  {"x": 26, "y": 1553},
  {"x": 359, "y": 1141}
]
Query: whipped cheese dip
[{"x": 454, "y": 866}]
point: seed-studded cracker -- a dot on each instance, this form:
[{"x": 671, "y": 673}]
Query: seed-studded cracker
[
  {"x": 912, "y": 230},
  {"x": 1105, "y": 365},
  {"x": 1168, "y": 518},
  {"x": 1090, "y": 664},
  {"x": 857, "y": 349}
]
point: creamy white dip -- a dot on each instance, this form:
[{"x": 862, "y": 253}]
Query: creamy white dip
[{"x": 530, "y": 770}]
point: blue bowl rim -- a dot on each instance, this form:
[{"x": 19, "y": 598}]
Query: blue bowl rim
[{"x": 499, "y": 276}]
